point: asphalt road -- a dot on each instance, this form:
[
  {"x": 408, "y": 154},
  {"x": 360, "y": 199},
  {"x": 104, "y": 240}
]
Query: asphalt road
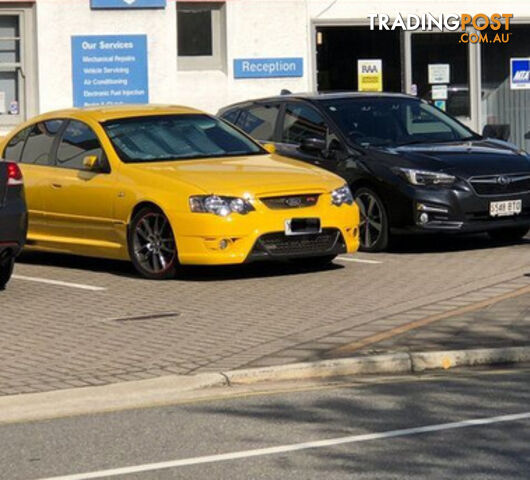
[{"x": 220, "y": 439}]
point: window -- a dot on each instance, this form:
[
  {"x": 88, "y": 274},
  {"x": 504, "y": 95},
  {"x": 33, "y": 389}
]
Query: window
[
  {"x": 259, "y": 121},
  {"x": 177, "y": 137},
  {"x": 78, "y": 142},
  {"x": 39, "y": 142},
  {"x": 15, "y": 146},
  {"x": 18, "y": 89},
  {"x": 230, "y": 116},
  {"x": 388, "y": 121},
  {"x": 201, "y": 35},
  {"x": 302, "y": 121}
]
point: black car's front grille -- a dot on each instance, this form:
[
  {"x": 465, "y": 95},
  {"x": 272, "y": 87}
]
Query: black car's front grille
[
  {"x": 509, "y": 184},
  {"x": 291, "y": 201},
  {"x": 279, "y": 244}
]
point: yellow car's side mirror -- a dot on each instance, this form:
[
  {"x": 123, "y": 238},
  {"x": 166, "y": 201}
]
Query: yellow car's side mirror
[
  {"x": 90, "y": 163},
  {"x": 270, "y": 147}
]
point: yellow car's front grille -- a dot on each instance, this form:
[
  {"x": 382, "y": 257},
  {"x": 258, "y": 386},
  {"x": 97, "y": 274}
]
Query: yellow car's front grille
[{"x": 291, "y": 201}]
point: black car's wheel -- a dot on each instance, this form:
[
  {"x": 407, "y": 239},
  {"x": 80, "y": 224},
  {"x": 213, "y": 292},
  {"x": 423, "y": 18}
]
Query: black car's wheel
[
  {"x": 373, "y": 227},
  {"x": 509, "y": 234},
  {"x": 152, "y": 246},
  {"x": 6, "y": 270},
  {"x": 314, "y": 262}
]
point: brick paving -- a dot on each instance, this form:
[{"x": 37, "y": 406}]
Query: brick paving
[
  {"x": 503, "y": 324},
  {"x": 54, "y": 337}
]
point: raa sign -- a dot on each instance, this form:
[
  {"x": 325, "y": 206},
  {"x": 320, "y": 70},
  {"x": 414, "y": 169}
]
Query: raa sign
[{"x": 95, "y": 4}]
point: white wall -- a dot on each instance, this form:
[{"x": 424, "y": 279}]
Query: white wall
[
  {"x": 58, "y": 20},
  {"x": 255, "y": 28}
]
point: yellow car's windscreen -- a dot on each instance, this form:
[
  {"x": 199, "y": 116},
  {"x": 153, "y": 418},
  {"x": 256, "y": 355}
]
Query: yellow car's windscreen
[{"x": 177, "y": 137}]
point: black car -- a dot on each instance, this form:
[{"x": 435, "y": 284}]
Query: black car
[
  {"x": 13, "y": 218},
  {"x": 411, "y": 167}
]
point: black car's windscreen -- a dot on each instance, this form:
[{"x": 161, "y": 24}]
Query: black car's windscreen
[
  {"x": 176, "y": 137},
  {"x": 393, "y": 121}
]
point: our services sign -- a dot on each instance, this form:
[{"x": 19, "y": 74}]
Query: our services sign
[
  {"x": 109, "y": 69},
  {"x": 268, "y": 67},
  {"x": 520, "y": 73},
  {"x": 128, "y": 3}
]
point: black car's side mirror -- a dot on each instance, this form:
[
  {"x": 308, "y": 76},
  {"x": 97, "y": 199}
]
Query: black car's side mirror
[
  {"x": 313, "y": 145},
  {"x": 498, "y": 131}
]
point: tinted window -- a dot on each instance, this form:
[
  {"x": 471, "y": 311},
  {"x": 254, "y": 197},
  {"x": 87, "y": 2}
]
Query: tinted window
[
  {"x": 15, "y": 145},
  {"x": 78, "y": 142},
  {"x": 177, "y": 137},
  {"x": 40, "y": 141},
  {"x": 393, "y": 121},
  {"x": 302, "y": 121},
  {"x": 259, "y": 121},
  {"x": 230, "y": 116}
]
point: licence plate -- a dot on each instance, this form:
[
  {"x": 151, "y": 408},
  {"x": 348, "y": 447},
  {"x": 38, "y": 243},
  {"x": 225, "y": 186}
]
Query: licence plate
[
  {"x": 302, "y": 226},
  {"x": 506, "y": 208}
]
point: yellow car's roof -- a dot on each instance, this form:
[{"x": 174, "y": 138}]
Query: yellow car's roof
[{"x": 103, "y": 113}]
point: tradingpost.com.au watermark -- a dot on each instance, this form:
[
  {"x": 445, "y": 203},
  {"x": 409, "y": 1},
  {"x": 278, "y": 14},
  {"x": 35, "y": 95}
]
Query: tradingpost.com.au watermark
[{"x": 497, "y": 24}]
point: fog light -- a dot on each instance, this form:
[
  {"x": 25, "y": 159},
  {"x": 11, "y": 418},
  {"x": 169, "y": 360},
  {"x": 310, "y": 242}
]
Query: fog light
[
  {"x": 424, "y": 218},
  {"x": 223, "y": 244},
  {"x": 423, "y": 207}
]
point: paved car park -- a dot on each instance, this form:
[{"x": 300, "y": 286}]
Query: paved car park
[{"x": 69, "y": 321}]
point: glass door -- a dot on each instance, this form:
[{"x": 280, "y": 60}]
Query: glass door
[
  {"x": 505, "y": 98},
  {"x": 439, "y": 70}
]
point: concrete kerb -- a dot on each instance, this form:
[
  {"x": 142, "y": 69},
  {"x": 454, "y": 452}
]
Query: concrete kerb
[{"x": 173, "y": 389}]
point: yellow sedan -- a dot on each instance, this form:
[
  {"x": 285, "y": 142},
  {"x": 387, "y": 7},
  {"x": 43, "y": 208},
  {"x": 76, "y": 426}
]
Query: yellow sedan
[{"x": 168, "y": 186}]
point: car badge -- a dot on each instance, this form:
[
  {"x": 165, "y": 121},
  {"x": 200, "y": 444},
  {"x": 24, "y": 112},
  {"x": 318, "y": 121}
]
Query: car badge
[
  {"x": 293, "y": 202},
  {"x": 504, "y": 180}
]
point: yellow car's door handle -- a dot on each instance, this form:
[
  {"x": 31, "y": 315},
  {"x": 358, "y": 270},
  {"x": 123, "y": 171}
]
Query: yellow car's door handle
[{"x": 56, "y": 185}]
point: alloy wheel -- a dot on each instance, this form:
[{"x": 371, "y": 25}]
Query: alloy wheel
[
  {"x": 371, "y": 222},
  {"x": 153, "y": 243}
]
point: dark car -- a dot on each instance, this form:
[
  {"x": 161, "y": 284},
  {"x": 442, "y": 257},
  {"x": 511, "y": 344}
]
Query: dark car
[
  {"x": 412, "y": 167},
  {"x": 13, "y": 218}
]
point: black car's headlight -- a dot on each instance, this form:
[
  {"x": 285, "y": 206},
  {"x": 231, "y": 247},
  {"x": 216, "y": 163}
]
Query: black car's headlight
[
  {"x": 342, "y": 195},
  {"x": 219, "y": 205},
  {"x": 425, "y": 178}
]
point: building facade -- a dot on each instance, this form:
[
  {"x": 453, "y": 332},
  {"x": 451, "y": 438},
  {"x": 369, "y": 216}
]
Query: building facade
[{"x": 60, "y": 53}]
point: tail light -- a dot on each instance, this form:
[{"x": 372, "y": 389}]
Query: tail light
[{"x": 14, "y": 175}]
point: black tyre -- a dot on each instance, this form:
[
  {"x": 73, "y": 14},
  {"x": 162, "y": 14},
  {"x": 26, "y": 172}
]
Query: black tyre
[
  {"x": 374, "y": 231},
  {"x": 509, "y": 234},
  {"x": 6, "y": 270},
  {"x": 314, "y": 262},
  {"x": 152, "y": 246}
]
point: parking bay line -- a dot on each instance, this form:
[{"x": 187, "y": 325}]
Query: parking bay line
[
  {"x": 292, "y": 447},
  {"x": 59, "y": 283},
  {"x": 357, "y": 260}
]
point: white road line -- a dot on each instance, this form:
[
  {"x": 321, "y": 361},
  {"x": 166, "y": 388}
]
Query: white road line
[
  {"x": 357, "y": 260},
  {"x": 59, "y": 283},
  {"x": 291, "y": 448}
]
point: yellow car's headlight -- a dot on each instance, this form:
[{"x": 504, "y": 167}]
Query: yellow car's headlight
[
  {"x": 342, "y": 195},
  {"x": 219, "y": 205}
]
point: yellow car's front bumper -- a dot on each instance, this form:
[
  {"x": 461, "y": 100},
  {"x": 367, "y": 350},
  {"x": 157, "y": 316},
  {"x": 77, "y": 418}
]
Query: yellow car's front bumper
[{"x": 208, "y": 239}]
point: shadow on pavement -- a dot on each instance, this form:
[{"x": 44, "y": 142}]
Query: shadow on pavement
[
  {"x": 442, "y": 243},
  {"x": 188, "y": 273}
]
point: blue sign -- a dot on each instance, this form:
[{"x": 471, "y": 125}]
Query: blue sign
[
  {"x": 109, "y": 69},
  {"x": 128, "y": 3},
  {"x": 520, "y": 73},
  {"x": 268, "y": 67}
]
